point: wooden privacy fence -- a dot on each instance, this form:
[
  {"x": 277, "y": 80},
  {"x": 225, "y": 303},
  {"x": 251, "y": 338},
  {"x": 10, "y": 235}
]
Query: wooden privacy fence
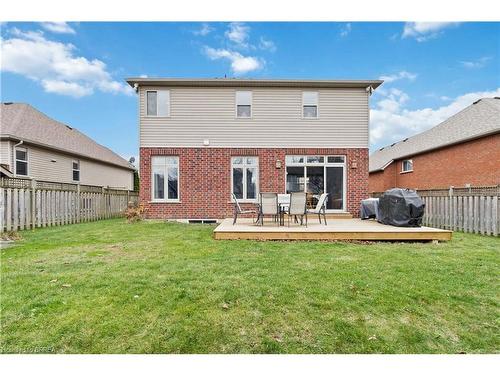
[
  {"x": 29, "y": 204},
  {"x": 472, "y": 210}
]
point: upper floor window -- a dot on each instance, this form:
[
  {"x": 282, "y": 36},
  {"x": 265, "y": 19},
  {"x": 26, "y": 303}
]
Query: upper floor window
[
  {"x": 245, "y": 177},
  {"x": 244, "y": 104},
  {"x": 76, "y": 170},
  {"x": 21, "y": 161},
  {"x": 310, "y": 104},
  {"x": 165, "y": 171},
  {"x": 407, "y": 165},
  {"x": 158, "y": 103}
]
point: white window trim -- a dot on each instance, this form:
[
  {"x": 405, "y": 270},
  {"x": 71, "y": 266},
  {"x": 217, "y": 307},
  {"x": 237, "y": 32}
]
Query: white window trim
[
  {"x": 325, "y": 164},
  {"x": 403, "y": 166},
  {"x": 165, "y": 187},
  {"x": 79, "y": 171},
  {"x": 257, "y": 182},
  {"x": 169, "y": 103},
  {"x": 236, "y": 105},
  {"x": 302, "y": 107},
  {"x": 27, "y": 162},
  {"x": 325, "y": 161}
]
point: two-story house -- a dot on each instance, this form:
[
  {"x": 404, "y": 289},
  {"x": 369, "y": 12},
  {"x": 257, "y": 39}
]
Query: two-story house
[
  {"x": 35, "y": 146},
  {"x": 462, "y": 151},
  {"x": 203, "y": 139}
]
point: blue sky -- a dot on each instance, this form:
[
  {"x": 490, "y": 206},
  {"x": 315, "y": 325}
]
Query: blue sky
[{"x": 75, "y": 72}]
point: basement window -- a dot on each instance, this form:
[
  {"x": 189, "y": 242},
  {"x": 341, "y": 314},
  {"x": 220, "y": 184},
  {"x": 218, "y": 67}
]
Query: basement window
[
  {"x": 202, "y": 221},
  {"x": 407, "y": 165}
]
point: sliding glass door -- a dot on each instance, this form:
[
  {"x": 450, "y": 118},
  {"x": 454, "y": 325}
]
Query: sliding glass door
[
  {"x": 335, "y": 188},
  {"x": 316, "y": 175}
]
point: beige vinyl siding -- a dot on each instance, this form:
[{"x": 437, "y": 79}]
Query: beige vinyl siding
[
  {"x": 5, "y": 154},
  {"x": 209, "y": 113},
  {"x": 41, "y": 167}
]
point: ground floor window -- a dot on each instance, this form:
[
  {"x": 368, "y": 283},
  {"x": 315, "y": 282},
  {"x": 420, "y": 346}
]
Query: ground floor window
[
  {"x": 245, "y": 177},
  {"x": 21, "y": 161},
  {"x": 165, "y": 178},
  {"x": 317, "y": 174}
]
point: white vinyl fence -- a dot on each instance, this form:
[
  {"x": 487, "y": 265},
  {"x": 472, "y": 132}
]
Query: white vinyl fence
[
  {"x": 471, "y": 210},
  {"x": 29, "y": 204}
]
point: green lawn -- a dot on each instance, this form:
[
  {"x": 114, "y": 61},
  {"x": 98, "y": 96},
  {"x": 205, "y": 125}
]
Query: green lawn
[{"x": 151, "y": 287}]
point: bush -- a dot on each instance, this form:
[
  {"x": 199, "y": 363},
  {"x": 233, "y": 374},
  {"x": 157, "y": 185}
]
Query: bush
[
  {"x": 10, "y": 236},
  {"x": 135, "y": 212}
]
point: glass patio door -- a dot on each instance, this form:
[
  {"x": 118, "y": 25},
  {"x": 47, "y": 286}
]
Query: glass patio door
[
  {"x": 315, "y": 174},
  {"x": 335, "y": 187}
]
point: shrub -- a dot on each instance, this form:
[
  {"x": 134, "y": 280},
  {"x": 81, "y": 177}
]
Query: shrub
[
  {"x": 135, "y": 212},
  {"x": 10, "y": 236}
]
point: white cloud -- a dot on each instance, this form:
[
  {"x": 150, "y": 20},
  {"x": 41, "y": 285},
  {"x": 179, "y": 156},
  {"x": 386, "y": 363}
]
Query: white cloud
[
  {"x": 239, "y": 64},
  {"x": 423, "y": 31},
  {"x": 204, "y": 30},
  {"x": 394, "y": 99},
  {"x": 400, "y": 75},
  {"x": 344, "y": 31},
  {"x": 238, "y": 33},
  {"x": 390, "y": 121},
  {"x": 66, "y": 88},
  {"x": 54, "y": 65},
  {"x": 267, "y": 44},
  {"x": 237, "y": 38},
  {"x": 476, "y": 64},
  {"x": 58, "y": 27}
]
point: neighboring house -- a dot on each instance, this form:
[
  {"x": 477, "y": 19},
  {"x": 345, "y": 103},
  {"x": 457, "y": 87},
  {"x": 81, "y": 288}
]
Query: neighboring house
[
  {"x": 203, "y": 139},
  {"x": 32, "y": 145},
  {"x": 461, "y": 151}
]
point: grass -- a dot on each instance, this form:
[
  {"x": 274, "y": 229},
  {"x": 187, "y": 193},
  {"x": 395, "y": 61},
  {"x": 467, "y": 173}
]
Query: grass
[{"x": 151, "y": 287}]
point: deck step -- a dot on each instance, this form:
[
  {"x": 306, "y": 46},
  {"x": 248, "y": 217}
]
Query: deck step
[{"x": 339, "y": 215}]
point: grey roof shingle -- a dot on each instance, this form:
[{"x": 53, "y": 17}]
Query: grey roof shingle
[
  {"x": 477, "y": 120},
  {"x": 22, "y": 121}
]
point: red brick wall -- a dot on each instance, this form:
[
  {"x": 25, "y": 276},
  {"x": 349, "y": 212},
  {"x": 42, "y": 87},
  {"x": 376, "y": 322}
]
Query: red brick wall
[
  {"x": 475, "y": 162},
  {"x": 205, "y": 178},
  {"x": 383, "y": 180}
]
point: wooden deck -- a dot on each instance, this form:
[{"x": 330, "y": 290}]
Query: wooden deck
[{"x": 337, "y": 229}]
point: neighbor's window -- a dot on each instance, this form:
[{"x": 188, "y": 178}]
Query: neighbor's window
[
  {"x": 310, "y": 104},
  {"x": 407, "y": 165},
  {"x": 76, "y": 170},
  {"x": 245, "y": 177},
  {"x": 165, "y": 175},
  {"x": 244, "y": 104},
  {"x": 21, "y": 161},
  {"x": 158, "y": 103}
]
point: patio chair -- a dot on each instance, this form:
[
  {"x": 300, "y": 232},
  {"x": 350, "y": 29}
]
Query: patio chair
[
  {"x": 239, "y": 211},
  {"x": 320, "y": 208},
  {"x": 298, "y": 202},
  {"x": 268, "y": 206}
]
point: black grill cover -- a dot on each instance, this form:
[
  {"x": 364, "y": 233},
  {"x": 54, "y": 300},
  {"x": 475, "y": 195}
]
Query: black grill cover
[{"x": 401, "y": 208}]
